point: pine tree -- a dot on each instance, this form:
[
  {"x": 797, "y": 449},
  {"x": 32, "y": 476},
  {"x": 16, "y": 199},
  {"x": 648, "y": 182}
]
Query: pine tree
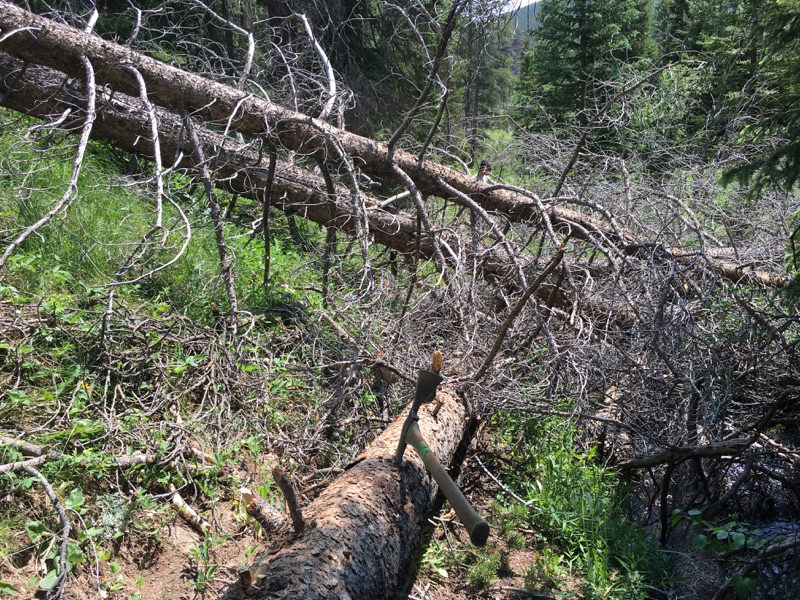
[
  {"x": 671, "y": 29},
  {"x": 778, "y": 120},
  {"x": 750, "y": 50},
  {"x": 580, "y": 46},
  {"x": 482, "y": 78}
]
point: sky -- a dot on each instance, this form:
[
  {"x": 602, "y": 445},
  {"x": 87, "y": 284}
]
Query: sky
[{"x": 519, "y": 3}]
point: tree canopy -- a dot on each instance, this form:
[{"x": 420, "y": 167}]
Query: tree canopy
[{"x": 580, "y": 48}]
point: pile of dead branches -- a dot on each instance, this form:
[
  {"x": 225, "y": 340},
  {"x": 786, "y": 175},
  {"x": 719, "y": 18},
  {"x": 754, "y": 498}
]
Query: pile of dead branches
[{"x": 601, "y": 286}]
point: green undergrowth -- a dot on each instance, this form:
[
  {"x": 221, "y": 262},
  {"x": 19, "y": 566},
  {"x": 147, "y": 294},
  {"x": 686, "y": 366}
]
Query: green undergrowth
[
  {"x": 158, "y": 375},
  {"x": 161, "y": 386},
  {"x": 99, "y": 238},
  {"x": 570, "y": 520}
]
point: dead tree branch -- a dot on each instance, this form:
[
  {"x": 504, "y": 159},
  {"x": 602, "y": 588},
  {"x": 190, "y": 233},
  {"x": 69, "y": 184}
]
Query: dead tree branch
[{"x": 60, "y": 47}]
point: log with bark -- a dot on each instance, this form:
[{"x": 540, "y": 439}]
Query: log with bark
[
  {"x": 362, "y": 532},
  {"x": 41, "y": 41},
  {"x": 46, "y": 94},
  {"x": 681, "y": 453}
]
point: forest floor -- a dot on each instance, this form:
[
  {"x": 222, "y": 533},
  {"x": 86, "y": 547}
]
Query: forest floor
[{"x": 160, "y": 556}]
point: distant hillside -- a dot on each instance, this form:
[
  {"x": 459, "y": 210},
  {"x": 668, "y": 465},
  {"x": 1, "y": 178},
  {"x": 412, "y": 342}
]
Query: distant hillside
[
  {"x": 527, "y": 17},
  {"x": 524, "y": 19}
]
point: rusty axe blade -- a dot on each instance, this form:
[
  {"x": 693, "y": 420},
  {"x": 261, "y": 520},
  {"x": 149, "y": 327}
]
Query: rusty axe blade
[{"x": 427, "y": 382}]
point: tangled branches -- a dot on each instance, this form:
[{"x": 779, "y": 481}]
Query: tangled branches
[{"x": 636, "y": 298}]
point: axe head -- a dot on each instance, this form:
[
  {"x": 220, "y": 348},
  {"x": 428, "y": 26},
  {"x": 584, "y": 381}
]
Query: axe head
[{"x": 427, "y": 382}]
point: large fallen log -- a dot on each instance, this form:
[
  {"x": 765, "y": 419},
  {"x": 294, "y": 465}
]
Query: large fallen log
[
  {"x": 47, "y": 94},
  {"x": 44, "y": 93},
  {"x": 362, "y": 532},
  {"x": 42, "y": 41}
]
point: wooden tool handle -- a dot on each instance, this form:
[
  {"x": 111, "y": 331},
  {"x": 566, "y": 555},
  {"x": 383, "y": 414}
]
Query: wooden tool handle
[{"x": 436, "y": 362}]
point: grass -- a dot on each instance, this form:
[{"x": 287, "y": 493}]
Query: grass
[
  {"x": 579, "y": 511},
  {"x": 165, "y": 370},
  {"x": 160, "y": 381},
  {"x": 81, "y": 247},
  {"x": 86, "y": 247},
  {"x": 576, "y": 522}
]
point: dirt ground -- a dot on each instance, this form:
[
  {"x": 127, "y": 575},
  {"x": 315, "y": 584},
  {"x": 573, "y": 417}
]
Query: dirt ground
[
  {"x": 157, "y": 563},
  {"x": 163, "y": 558}
]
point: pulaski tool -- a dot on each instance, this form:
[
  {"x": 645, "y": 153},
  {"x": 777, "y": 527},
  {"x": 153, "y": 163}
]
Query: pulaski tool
[{"x": 427, "y": 382}]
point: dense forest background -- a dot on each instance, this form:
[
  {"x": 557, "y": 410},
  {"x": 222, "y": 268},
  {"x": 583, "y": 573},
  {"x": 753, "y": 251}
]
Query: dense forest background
[{"x": 589, "y": 207}]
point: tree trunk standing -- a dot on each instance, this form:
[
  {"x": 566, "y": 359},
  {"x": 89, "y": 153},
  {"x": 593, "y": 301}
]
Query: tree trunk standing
[
  {"x": 362, "y": 532},
  {"x": 229, "y": 45}
]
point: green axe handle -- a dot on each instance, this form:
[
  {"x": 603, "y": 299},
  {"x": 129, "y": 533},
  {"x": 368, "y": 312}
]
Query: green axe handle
[
  {"x": 478, "y": 528},
  {"x": 427, "y": 382}
]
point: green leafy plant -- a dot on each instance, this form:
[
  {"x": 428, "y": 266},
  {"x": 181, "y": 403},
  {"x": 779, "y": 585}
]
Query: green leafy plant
[
  {"x": 436, "y": 560},
  {"x": 49, "y": 548},
  {"x": 483, "y": 572},
  {"x": 546, "y": 571},
  {"x": 201, "y": 556},
  {"x": 577, "y": 510},
  {"x": 727, "y": 538}
]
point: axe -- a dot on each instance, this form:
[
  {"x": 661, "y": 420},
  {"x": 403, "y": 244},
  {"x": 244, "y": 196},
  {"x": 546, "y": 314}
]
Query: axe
[{"x": 427, "y": 382}]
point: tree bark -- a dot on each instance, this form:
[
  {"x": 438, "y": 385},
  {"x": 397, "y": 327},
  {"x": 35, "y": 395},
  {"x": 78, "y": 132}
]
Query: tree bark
[
  {"x": 42, "y": 93},
  {"x": 362, "y": 532},
  {"x": 41, "y": 41},
  {"x": 672, "y": 455}
]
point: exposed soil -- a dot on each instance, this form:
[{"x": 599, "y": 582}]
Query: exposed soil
[
  {"x": 159, "y": 558},
  {"x": 158, "y": 563}
]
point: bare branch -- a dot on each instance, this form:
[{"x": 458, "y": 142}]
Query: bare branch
[
  {"x": 70, "y": 194},
  {"x": 56, "y": 591}
]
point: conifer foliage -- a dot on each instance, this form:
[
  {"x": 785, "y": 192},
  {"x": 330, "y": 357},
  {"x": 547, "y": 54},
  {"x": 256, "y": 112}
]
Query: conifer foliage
[{"x": 579, "y": 47}]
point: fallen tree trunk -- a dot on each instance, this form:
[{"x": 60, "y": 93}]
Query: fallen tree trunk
[
  {"x": 46, "y": 94},
  {"x": 41, "y": 41},
  {"x": 362, "y": 532},
  {"x": 43, "y": 93},
  {"x": 681, "y": 453}
]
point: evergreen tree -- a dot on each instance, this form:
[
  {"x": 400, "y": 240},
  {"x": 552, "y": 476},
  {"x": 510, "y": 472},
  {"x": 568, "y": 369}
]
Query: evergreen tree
[
  {"x": 482, "y": 79},
  {"x": 749, "y": 49},
  {"x": 779, "y": 118},
  {"x": 671, "y": 26},
  {"x": 726, "y": 35},
  {"x": 579, "y": 47}
]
